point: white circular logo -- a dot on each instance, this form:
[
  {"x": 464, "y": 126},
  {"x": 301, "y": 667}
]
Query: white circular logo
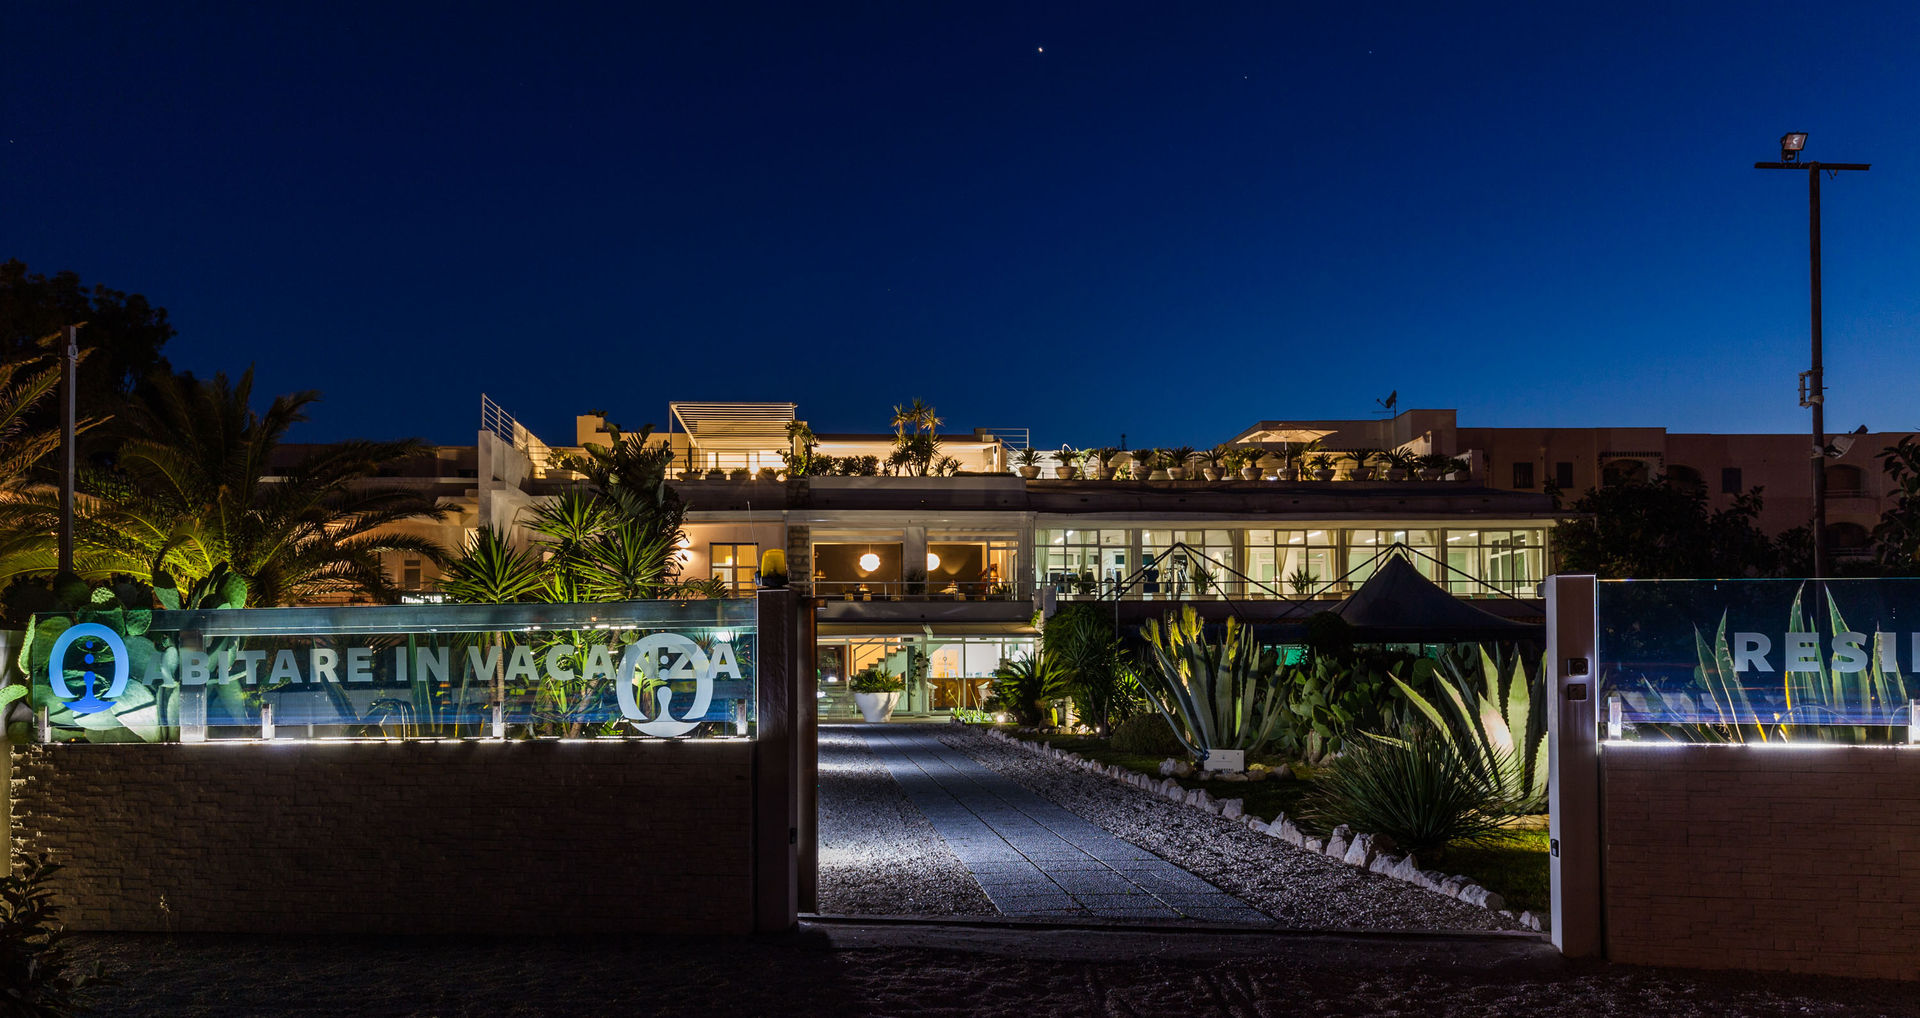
[{"x": 667, "y": 657}]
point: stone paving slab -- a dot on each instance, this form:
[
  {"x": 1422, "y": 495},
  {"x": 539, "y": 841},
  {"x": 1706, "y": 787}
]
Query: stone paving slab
[{"x": 1032, "y": 857}]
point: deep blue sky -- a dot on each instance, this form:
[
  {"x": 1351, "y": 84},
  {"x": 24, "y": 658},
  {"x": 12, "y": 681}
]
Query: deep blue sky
[{"x": 1176, "y": 220}]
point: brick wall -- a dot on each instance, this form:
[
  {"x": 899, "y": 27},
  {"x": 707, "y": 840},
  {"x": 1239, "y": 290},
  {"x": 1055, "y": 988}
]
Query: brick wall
[
  {"x": 534, "y": 837},
  {"x": 1804, "y": 860}
]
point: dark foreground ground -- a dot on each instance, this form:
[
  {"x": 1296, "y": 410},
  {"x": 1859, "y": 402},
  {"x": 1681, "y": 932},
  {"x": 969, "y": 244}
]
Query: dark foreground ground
[{"x": 846, "y": 970}]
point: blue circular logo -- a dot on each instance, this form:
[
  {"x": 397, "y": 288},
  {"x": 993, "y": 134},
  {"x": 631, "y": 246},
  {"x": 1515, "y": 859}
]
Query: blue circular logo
[{"x": 94, "y": 639}]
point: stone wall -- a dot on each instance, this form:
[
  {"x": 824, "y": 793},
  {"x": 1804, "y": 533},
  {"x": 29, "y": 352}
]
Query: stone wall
[
  {"x": 470, "y": 837},
  {"x": 1802, "y": 860}
]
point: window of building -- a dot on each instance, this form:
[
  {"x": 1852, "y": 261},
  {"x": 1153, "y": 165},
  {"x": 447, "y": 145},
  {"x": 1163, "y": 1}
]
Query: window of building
[
  {"x": 410, "y": 574},
  {"x": 1365, "y": 548},
  {"x": 1844, "y": 480},
  {"x": 1523, "y": 475},
  {"x": 1563, "y": 475},
  {"x": 1730, "y": 481},
  {"x": 1186, "y": 560},
  {"x": 1293, "y": 562},
  {"x": 735, "y": 564},
  {"x": 1482, "y": 561}
]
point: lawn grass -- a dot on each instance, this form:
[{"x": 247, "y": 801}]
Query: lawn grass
[{"x": 1514, "y": 865}]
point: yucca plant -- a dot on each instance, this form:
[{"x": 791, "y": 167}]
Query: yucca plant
[
  {"x": 1418, "y": 791},
  {"x": 1215, "y": 695},
  {"x": 1496, "y": 720}
]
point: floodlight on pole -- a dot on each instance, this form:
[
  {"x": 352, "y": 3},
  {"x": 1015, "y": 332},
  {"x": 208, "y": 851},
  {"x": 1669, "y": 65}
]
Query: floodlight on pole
[{"x": 1813, "y": 388}]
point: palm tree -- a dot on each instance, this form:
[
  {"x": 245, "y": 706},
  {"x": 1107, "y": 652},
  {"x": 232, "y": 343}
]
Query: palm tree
[{"x": 195, "y": 487}]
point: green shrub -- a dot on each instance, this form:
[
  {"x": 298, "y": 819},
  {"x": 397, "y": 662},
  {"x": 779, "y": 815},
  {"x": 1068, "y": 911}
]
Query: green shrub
[
  {"x": 1147, "y": 735},
  {"x": 872, "y": 680},
  {"x": 1417, "y": 791},
  {"x": 38, "y": 977},
  {"x": 1026, "y": 686}
]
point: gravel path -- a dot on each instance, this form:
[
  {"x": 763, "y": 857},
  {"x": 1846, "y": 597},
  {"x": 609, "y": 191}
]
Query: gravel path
[
  {"x": 1298, "y": 889},
  {"x": 930, "y": 971},
  {"x": 878, "y": 854}
]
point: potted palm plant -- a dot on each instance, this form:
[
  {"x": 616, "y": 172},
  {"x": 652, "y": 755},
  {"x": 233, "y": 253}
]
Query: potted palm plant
[
  {"x": 1202, "y": 583},
  {"x": 1432, "y": 465},
  {"x": 1146, "y": 465},
  {"x": 1362, "y": 460},
  {"x": 1099, "y": 463},
  {"x": 1212, "y": 463},
  {"x": 1029, "y": 461},
  {"x": 1063, "y": 466},
  {"x": 876, "y": 693},
  {"x": 1250, "y": 464},
  {"x": 1302, "y": 581},
  {"x": 1320, "y": 466},
  {"x": 1400, "y": 464},
  {"x": 1179, "y": 462},
  {"x": 1459, "y": 468}
]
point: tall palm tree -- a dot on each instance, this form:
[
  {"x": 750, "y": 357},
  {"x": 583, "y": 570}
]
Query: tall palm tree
[{"x": 194, "y": 486}]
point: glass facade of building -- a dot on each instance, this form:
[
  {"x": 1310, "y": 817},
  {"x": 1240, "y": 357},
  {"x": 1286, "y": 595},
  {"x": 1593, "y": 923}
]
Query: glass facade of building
[{"x": 1171, "y": 562}]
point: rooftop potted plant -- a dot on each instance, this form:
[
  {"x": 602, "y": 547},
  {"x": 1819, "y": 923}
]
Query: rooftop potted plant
[
  {"x": 1063, "y": 466},
  {"x": 1029, "y": 463},
  {"x": 1099, "y": 463},
  {"x": 1400, "y": 464},
  {"x": 1432, "y": 465},
  {"x": 1362, "y": 460},
  {"x": 1320, "y": 466},
  {"x": 1246, "y": 462},
  {"x": 1459, "y": 468},
  {"x": 876, "y": 692},
  {"x": 1178, "y": 459},
  {"x": 1212, "y": 465},
  {"x": 1146, "y": 465}
]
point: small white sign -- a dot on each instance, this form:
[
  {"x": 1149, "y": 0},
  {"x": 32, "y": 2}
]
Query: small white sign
[{"x": 1226, "y": 760}]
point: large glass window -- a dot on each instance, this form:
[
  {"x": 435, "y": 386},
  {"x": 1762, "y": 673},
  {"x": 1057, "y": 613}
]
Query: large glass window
[
  {"x": 1293, "y": 562},
  {"x": 735, "y": 564},
  {"x": 1366, "y": 552},
  {"x": 957, "y": 670},
  {"x": 1481, "y": 561},
  {"x": 1084, "y": 563}
]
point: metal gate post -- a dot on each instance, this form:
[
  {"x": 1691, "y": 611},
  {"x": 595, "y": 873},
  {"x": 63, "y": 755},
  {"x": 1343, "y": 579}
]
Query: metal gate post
[
  {"x": 776, "y": 800},
  {"x": 1573, "y": 775}
]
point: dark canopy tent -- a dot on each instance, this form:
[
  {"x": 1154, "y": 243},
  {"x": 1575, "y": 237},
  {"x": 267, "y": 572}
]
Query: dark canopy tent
[{"x": 1398, "y": 605}]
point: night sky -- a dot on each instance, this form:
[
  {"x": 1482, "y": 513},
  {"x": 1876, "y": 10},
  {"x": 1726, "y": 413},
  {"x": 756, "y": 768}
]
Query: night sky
[{"x": 1169, "y": 220}]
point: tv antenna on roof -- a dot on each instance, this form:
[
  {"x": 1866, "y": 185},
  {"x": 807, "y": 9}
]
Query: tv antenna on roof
[{"x": 1387, "y": 405}]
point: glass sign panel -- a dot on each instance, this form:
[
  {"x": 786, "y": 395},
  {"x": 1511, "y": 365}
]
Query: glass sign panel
[
  {"x": 1758, "y": 660},
  {"x": 659, "y": 669}
]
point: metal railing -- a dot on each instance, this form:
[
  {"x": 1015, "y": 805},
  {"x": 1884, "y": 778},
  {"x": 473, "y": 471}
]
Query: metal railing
[{"x": 495, "y": 420}]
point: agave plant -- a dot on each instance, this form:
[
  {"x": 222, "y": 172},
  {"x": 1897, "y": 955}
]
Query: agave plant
[
  {"x": 1215, "y": 695},
  {"x": 1496, "y": 721},
  {"x": 1420, "y": 792}
]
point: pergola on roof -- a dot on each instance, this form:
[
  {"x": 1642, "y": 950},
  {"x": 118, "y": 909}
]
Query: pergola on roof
[{"x": 732, "y": 427}]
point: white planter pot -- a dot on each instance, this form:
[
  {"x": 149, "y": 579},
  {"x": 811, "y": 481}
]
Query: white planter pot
[
  {"x": 1211, "y": 473},
  {"x": 1064, "y": 473},
  {"x": 1250, "y": 474},
  {"x": 1323, "y": 474},
  {"x": 1029, "y": 472},
  {"x": 1396, "y": 474},
  {"x": 1177, "y": 473},
  {"x": 876, "y": 707},
  {"x": 1158, "y": 475}
]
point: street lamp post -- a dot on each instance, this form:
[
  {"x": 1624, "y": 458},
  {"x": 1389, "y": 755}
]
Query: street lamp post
[{"x": 1813, "y": 391}]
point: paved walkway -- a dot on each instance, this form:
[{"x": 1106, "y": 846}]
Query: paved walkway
[{"x": 1031, "y": 857}]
